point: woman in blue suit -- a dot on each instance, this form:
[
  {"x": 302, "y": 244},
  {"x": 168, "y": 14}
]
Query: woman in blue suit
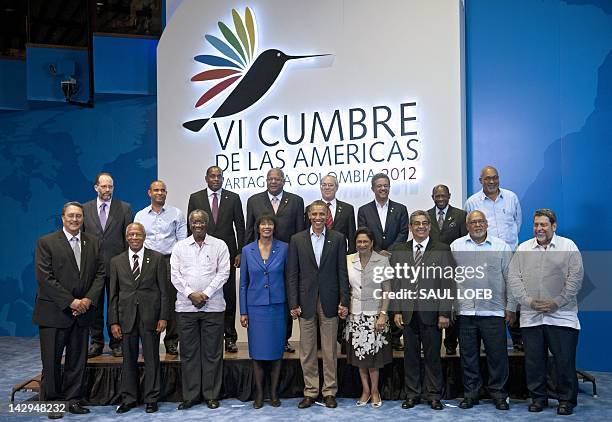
[{"x": 263, "y": 307}]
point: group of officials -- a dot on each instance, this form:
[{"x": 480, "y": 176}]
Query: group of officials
[{"x": 162, "y": 271}]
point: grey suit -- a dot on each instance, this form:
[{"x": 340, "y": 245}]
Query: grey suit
[
  {"x": 112, "y": 242},
  {"x": 59, "y": 283},
  {"x": 137, "y": 305}
]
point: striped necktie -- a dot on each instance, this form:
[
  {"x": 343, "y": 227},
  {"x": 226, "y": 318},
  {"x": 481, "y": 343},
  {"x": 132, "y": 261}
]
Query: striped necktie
[
  {"x": 418, "y": 255},
  {"x": 136, "y": 267}
]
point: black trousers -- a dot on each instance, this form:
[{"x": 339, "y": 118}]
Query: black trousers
[
  {"x": 171, "y": 338},
  {"x": 130, "y": 378},
  {"x": 69, "y": 385},
  {"x": 515, "y": 330},
  {"x": 562, "y": 343},
  {"x": 451, "y": 335},
  {"x": 492, "y": 331},
  {"x": 97, "y": 328},
  {"x": 415, "y": 333},
  {"x": 229, "y": 294},
  {"x": 201, "y": 335}
]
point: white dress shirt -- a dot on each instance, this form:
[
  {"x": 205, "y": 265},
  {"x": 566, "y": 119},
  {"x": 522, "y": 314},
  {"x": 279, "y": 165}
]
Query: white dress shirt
[
  {"x": 382, "y": 212},
  {"x": 210, "y": 197}
]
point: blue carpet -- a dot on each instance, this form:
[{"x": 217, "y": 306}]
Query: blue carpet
[{"x": 20, "y": 359}]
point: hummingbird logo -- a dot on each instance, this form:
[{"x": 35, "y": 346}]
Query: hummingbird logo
[{"x": 238, "y": 63}]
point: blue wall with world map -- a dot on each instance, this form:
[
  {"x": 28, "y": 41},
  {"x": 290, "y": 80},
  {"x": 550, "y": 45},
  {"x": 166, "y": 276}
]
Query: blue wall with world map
[{"x": 539, "y": 108}]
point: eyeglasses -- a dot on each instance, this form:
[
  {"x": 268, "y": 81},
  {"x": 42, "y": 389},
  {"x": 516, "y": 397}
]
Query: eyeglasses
[
  {"x": 477, "y": 222},
  {"x": 420, "y": 223}
]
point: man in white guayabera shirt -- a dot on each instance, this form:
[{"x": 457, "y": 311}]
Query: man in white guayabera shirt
[
  {"x": 545, "y": 277},
  {"x": 200, "y": 267}
]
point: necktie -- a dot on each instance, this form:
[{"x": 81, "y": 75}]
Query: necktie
[
  {"x": 440, "y": 219},
  {"x": 275, "y": 204},
  {"x": 103, "y": 215},
  {"x": 418, "y": 255},
  {"x": 136, "y": 268},
  {"x": 215, "y": 207},
  {"x": 76, "y": 248},
  {"x": 329, "y": 221}
]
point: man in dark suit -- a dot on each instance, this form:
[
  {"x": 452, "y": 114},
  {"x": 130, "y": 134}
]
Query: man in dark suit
[
  {"x": 70, "y": 274},
  {"x": 106, "y": 218},
  {"x": 317, "y": 293},
  {"x": 227, "y": 224},
  {"x": 388, "y": 220},
  {"x": 289, "y": 212},
  {"x": 448, "y": 225},
  {"x": 138, "y": 309},
  {"x": 423, "y": 318}
]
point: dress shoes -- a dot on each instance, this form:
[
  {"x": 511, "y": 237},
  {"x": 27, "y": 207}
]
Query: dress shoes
[
  {"x": 306, "y": 403},
  {"x": 257, "y": 404},
  {"x": 436, "y": 405},
  {"x": 501, "y": 404},
  {"x": 230, "y": 347},
  {"x": 125, "y": 407},
  {"x": 537, "y": 406},
  {"x": 275, "y": 402},
  {"x": 55, "y": 415},
  {"x": 94, "y": 350},
  {"x": 468, "y": 403},
  {"x": 172, "y": 350},
  {"x": 565, "y": 409},
  {"x": 151, "y": 407},
  {"x": 117, "y": 352},
  {"x": 212, "y": 404},
  {"x": 330, "y": 401},
  {"x": 410, "y": 403},
  {"x": 188, "y": 404},
  {"x": 289, "y": 348},
  {"x": 77, "y": 409}
]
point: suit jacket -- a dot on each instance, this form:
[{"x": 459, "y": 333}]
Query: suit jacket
[
  {"x": 306, "y": 281},
  {"x": 262, "y": 283},
  {"x": 229, "y": 226},
  {"x": 289, "y": 218},
  {"x": 148, "y": 295},
  {"x": 453, "y": 228},
  {"x": 60, "y": 281},
  {"x": 113, "y": 236},
  {"x": 436, "y": 254},
  {"x": 396, "y": 225},
  {"x": 344, "y": 222}
]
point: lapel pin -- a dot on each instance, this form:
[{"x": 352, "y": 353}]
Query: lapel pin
[
  {"x": 391, "y": 210},
  {"x": 148, "y": 260}
]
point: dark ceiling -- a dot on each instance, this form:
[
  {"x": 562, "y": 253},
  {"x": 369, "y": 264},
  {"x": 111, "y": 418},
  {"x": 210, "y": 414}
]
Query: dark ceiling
[{"x": 65, "y": 22}]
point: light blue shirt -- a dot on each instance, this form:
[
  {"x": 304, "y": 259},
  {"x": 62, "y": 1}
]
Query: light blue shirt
[
  {"x": 493, "y": 258},
  {"x": 503, "y": 215},
  {"x": 163, "y": 229},
  {"x": 317, "y": 244}
]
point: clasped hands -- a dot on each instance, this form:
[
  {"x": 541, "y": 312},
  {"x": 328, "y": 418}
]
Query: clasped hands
[
  {"x": 80, "y": 306},
  {"x": 342, "y": 312},
  {"x": 198, "y": 299},
  {"x": 548, "y": 305}
]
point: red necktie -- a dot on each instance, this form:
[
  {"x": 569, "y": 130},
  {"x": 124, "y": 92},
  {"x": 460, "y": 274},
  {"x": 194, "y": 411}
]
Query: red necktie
[
  {"x": 329, "y": 221},
  {"x": 215, "y": 207}
]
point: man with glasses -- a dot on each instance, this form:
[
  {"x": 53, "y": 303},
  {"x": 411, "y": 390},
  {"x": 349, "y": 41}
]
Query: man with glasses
[
  {"x": 288, "y": 209},
  {"x": 488, "y": 259},
  {"x": 425, "y": 312}
]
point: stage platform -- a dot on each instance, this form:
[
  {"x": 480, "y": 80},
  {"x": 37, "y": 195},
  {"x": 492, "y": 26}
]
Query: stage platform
[{"x": 104, "y": 374}]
